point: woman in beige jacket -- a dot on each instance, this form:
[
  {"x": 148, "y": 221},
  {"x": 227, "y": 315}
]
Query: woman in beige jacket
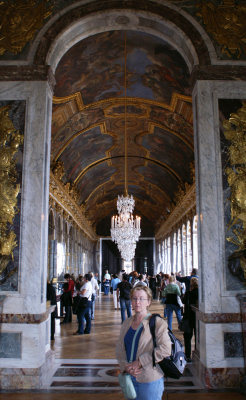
[{"x": 147, "y": 379}]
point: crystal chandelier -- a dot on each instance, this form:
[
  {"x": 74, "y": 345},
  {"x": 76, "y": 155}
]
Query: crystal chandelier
[{"x": 125, "y": 230}]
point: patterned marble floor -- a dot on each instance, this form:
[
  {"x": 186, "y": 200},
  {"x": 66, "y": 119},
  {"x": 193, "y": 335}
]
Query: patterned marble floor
[{"x": 100, "y": 376}]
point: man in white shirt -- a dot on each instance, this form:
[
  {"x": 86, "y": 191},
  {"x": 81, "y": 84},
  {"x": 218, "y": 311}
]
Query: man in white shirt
[
  {"x": 106, "y": 282},
  {"x": 84, "y": 312},
  {"x": 95, "y": 289}
]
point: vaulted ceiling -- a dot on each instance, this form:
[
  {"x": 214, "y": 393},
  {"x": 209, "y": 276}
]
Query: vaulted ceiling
[{"x": 91, "y": 115}]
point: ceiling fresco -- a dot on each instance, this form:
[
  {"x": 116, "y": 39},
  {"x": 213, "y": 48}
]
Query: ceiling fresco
[{"x": 92, "y": 113}]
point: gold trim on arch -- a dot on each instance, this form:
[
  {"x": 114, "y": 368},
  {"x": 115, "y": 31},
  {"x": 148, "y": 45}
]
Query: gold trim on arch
[
  {"x": 89, "y": 166},
  {"x": 103, "y": 130},
  {"x": 75, "y": 96},
  {"x": 121, "y": 101},
  {"x": 99, "y": 186},
  {"x": 153, "y": 125},
  {"x": 78, "y": 98},
  {"x": 105, "y": 159}
]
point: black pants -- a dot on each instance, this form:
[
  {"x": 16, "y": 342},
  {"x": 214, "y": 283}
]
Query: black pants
[
  {"x": 187, "y": 341},
  {"x": 68, "y": 316}
]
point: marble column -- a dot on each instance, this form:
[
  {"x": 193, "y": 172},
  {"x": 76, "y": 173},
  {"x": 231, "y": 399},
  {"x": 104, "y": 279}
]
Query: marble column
[
  {"x": 219, "y": 354},
  {"x": 26, "y": 358}
]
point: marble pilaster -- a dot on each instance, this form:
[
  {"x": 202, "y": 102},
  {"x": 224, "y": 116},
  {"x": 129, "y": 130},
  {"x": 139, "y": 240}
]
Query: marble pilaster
[
  {"x": 25, "y": 322},
  {"x": 219, "y": 351}
]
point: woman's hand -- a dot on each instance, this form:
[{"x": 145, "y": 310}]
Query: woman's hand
[{"x": 134, "y": 368}]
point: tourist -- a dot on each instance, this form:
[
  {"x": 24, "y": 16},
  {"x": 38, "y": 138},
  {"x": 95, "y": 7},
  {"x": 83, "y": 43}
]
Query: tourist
[
  {"x": 190, "y": 299},
  {"x": 106, "y": 282},
  {"x": 147, "y": 379},
  {"x": 84, "y": 311},
  {"x": 123, "y": 295},
  {"x": 95, "y": 290},
  {"x": 186, "y": 279},
  {"x": 66, "y": 298},
  {"x": 171, "y": 292},
  {"x": 114, "y": 284}
]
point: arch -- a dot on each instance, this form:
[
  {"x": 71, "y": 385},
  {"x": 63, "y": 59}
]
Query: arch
[
  {"x": 51, "y": 225},
  {"x": 163, "y": 20},
  {"x": 59, "y": 229}
]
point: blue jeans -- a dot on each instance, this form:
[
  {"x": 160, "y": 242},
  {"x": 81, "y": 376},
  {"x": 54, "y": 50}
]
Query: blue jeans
[
  {"x": 149, "y": 390},
  {"x": 169, "y": 309},
  {"x": 93, "y": 298},
  {"x": 84, "y": 314},
  {"x": 106, "y": 288},
  {"x": 125, "y": 306}
]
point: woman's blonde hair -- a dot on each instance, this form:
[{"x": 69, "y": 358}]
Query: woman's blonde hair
[
  {"x": 193, "y": 283},
  {"x": 171, "y": 278},
  {"x": 145, "y": 289}
]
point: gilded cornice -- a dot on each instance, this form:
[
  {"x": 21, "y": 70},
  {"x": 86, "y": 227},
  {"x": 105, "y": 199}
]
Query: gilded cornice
[
  {"x": 60, "y": 195},
  {"x": 183, "y": 208}
]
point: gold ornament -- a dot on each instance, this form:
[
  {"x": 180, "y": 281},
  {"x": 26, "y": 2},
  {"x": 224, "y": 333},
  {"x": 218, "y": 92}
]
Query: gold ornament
[
  {"x": 10, "y": 139},
  {"x": 19, "y": 21},
  {"x": 235, "y": 132},
  {"x": 226, "y": 23}
]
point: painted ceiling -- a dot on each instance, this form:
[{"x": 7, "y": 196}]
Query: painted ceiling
[{"x": 118, "y": 85}]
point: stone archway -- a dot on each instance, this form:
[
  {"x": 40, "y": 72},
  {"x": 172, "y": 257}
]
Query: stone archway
[{"x": 32, "y": 82}]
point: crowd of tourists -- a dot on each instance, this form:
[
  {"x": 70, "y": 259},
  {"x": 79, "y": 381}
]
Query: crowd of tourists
[{"x": 78, "y": 297}]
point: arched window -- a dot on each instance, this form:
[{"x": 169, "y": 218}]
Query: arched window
[
  {"x": 175, "y": 253},
  {"x": 184, "y": 250},
  {"x": 189, "y": 248},
  {"x": 195, "y": 242},
  {"x": 179, "y": 251},
  {"x": 169, "y": 269}
]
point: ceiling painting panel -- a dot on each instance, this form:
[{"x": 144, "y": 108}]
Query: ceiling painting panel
[
  {"x": 84, "y": 150},
  {"x": 94, "y": 118},
  {"x": 95, "y": 67}
]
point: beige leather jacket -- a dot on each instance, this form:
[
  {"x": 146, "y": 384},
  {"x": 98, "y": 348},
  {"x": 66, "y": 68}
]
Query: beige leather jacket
[{"x": 145, "y": 349}]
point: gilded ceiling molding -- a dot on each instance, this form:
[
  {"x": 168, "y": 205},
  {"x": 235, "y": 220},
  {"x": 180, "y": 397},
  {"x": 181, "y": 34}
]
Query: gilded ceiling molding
[
  {"x": 153, "y": 125},
  {"x": 67, "y": 203},
  {"x": 73, "y": 97},
  {"x": 91, "y": 165},
  {"x": 226, "y": 23},
  {"x": 176, "y": 97},
  {"x": 20, "y": 21},
  {"x": 109, "y": 111},
  {"x": 99, "y": 187},
  {"x": 102, "y": 127},
  {"x": 178, "y": 214}
]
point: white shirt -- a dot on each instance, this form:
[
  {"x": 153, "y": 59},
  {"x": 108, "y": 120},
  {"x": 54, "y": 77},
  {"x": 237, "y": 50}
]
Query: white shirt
[
  {"x": 95, "y": 286},
  {"x": 88, "y": 287},
  {"x": 107, "y": 276}
]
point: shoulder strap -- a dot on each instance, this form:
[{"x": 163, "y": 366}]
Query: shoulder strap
[
  {"x": 152, "y": 331},
  {"x": 134, "y": 340}
]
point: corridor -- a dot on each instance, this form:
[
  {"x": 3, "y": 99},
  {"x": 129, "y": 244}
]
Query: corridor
[{"x": 85, "y": 366}]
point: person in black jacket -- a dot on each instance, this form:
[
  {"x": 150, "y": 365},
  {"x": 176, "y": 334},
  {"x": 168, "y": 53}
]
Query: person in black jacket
[
  {"x": 190, "y": 299},
  {"x": 186, "y": 279},
  {"x": 123, "y": 295},
  {"x": 51, "y": 296}
]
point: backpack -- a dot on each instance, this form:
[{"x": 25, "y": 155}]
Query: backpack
[{"x": 174, "y": 365}]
